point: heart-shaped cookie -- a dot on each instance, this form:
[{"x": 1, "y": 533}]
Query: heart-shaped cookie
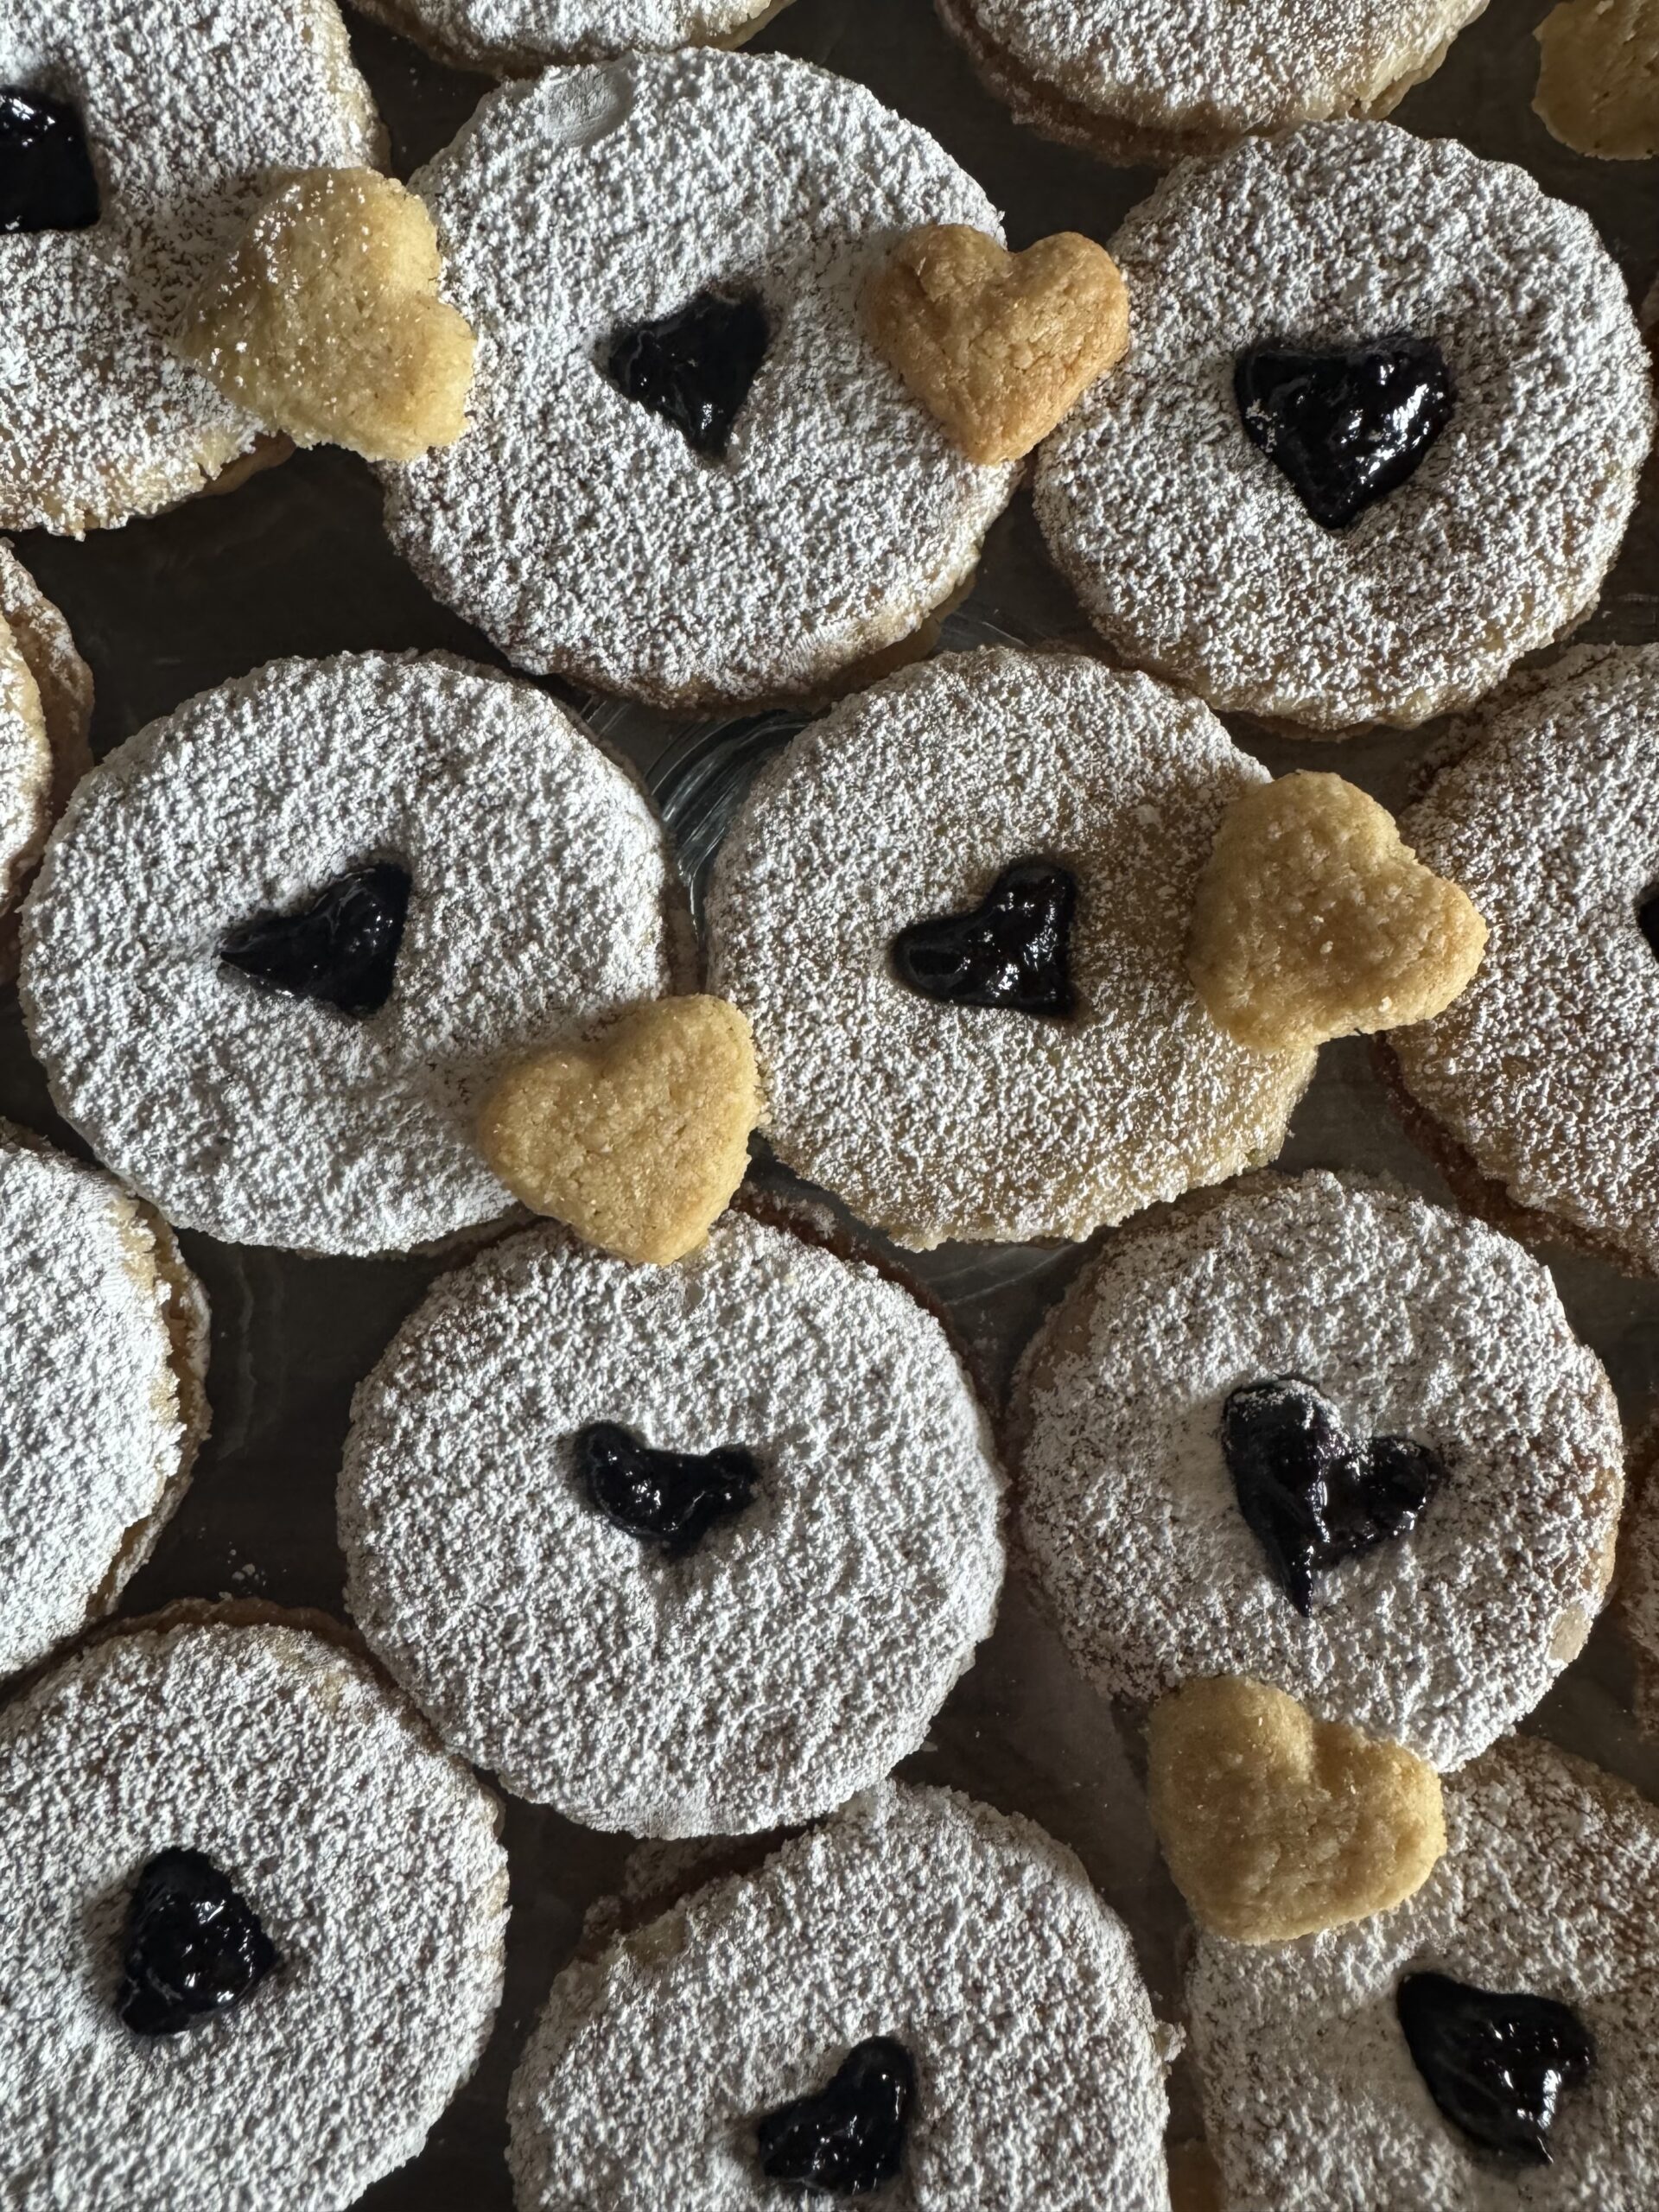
[
  {"x": 998, "y": 345},
  {"x": 325, "y": 319},
  {"x": 637, "y": 1140},
  {"x": 1276, "y": 1825},
  {"x": 1313, "y": 920}
]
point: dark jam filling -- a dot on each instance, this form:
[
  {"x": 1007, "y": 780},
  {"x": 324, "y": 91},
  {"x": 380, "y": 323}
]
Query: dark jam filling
[
  {"x": 1497, "y": 2066},
  {"x": 1311, "y": 1495},
  {"x": 1647, "y": 918},
  {"x": 193, "y": 1945},
  {"x": 848, "y": 2139},
  {"x": 46, "y": 178},
  {"x": 1011, "y": 951},
  {"x": 342, "y": 948},
  {"x": 695, "y": 367},
  {"x": 1347, "y": 427},
  {"x": 669, "y": 1498}
]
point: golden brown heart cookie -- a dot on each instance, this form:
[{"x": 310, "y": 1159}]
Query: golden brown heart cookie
[
  {"x": 637, "y": 1140},
  {"x": 325, "y": 319},
  {"x": 1313, "y": 920},
  {"x": 1599, "y": 78},
  {"x": 1276, "y": 1825},
  {"x": 998, "y": 345}
]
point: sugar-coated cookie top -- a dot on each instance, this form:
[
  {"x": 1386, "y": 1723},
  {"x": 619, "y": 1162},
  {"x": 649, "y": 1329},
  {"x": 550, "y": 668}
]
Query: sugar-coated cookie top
[
  {"x": 25, "y": 765},
  {"x": 1190, "y": 548},
  {"x": 1550, "y": 1887},
  {"x": 1410, "y": 1321},
  {"x": 525, "y": 34},
  {"x": 968, "y": 1936},
  {"x": 370, "y": 1858},
  {"x": 798, "y": 1651},
  {"x": 578, "y": 526},
  {"x": 540, "y": 879}
]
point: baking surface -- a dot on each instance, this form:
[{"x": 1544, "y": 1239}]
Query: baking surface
[{"x": 294, "y": 562}]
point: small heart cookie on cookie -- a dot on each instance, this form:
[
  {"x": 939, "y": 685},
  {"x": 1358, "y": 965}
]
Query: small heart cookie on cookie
[
  {"x": 637, "y": 1140},
  {"x": 997, "y": 345}
]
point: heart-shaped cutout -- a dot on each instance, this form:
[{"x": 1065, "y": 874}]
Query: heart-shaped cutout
[
  {"x": 1312, "y": 919},
  {"x": 325, "y": 320},
  {"x": 1495, "y": 2062},
  {"x": 46, "y": 179},
  {"x": 637, "y": 1140},
  {"x": 695, "y": 367},
  {"x": 848, "y": 2139},
  {"x": 1011, "y": 951},
  {"x": 1313, "y": 1495},
  {"x": 997, "y": 345},
  {"x": 1276, "y": 1825},
  {"x": 1347, "y": 425},
  {"x": 341, "y": 948},
  {"x": 672, "y": 1499}
]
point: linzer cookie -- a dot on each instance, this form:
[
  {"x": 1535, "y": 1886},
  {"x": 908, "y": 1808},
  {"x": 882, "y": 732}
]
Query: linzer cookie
[
  {"x": 46, "y": 711},
  {"x": 1378, "y": 434},
  {"x": 523, "y": 36}
]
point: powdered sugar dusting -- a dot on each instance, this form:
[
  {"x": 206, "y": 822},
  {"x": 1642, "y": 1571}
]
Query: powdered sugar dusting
[
  {"x": 370, "y": 1858},
  {"x": 1549, "y": 1886},
  {"x": 578, "y": 527},
  {"x": 970, "y": 1935},
  {"x": 524, "y": 34},
  {"x": 1414, "y": 1322},
  {"x": 798, "y": 1652},
  {"x": 1189, "y": 547},
  {"x": 541, "y": 881},
  {"x": 25, "y": 765},
  {"x": 934, "y": 1122}
]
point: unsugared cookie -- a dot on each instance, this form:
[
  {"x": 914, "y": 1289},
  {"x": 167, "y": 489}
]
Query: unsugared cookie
[
  {"x": 1598, "y": 77},
  {"x": 679, "y": 1550},
  {"x": 956, "y": 912},
  {"x": 1378, "y": 434},
  {"x": 1324, "y": 1435},
  {"x": 520, "y": 36},
  {"x": 922, "y": 1998}
]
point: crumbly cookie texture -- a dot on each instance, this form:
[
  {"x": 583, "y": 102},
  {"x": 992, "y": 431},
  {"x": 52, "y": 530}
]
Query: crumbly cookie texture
[
  {"x": 968, "y": 1934},
  {"x": 324, "y": 319},
  {"x": 63, "y": 685},
  {"x": 637, "y": 1140},
  {"x": 1313, "y": 920},
  {"x": 1191, "y": 549},
  {"x": 1550, "y": 1886},
  {"x": 1598, "y": 77},
  {"x": 521, "y": 37},
  {"x": 1639, "y": 1577},
  {"x": 25, "y": 765},
  {"x": 370, "y": 1857},
  {"x": 999, "y": 344},
  {"x": 1276, "y": 1825},
  {"x": 1414, "y": 1321}
]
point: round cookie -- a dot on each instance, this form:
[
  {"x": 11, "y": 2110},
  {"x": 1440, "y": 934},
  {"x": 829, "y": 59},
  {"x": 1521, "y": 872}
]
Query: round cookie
[
  {"x": 1494, "y": 356},
  {"x": 103, "y": 1353},
  {"x": 183, "y": 118},
  {"x": 540, "y": 898},
  {"x": 1150, "y": 1511},
  {"x": 523, "y": 36},
  {"x": 1534, "y": 1090},
  {"x": 966, "y": 1937},
  {"x": 823, "y": 513},
  {"x": 367, "y": 1858},
  {"x": 1149, "y": 80},
  {"x": 935, "y": 1119},
  {"x": 1313, "y": 2101},
  {"x": 721, "y": 1674},
  {"x": 43, "y": 734}
]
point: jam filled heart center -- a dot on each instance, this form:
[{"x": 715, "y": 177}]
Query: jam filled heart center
[
  {"x": 847, "y": 2139},
  {"x": 1011, "y": 951},
  {"x": 1311, "y": 1495},
  {"x": 46, "y": 178},
  {"x": 1347, "y": 426},
  {"x": 193, "y": 1945},
  {"x": 342, "y": 948},
  {"x": 694, "y": 368},
  {"x": 669, "y": 1498},
  {"x": 1495, "y": 2065}
]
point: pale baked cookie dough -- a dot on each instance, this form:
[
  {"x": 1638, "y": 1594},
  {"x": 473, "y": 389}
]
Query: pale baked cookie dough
[
  {"x": 966, "y": 1936},
  {"x": 1639, "y": 1577},
  {"x": 519, "y": 36},
  {"x": 103, "y": 1356},
  {"x": 184, "y": 111},
  {"x": 369, "y": 1858},
  {"x": 1410, "y": 1322},
  {"x": 1149, "y": 80},
  {"x": 935, "y": 1120},
  {"x": 1190, "y": 548},
  {"x": 1598, "y": 77},
  {"x": 578, "y": 526},
  {"x": 541, "y": 898},
  {"x": 1550, "y": 1888},
  {"x": 795, "y": 1648},
  {"x": 1534, "y": 1090},
  {"x": 45, "y": 713}
]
